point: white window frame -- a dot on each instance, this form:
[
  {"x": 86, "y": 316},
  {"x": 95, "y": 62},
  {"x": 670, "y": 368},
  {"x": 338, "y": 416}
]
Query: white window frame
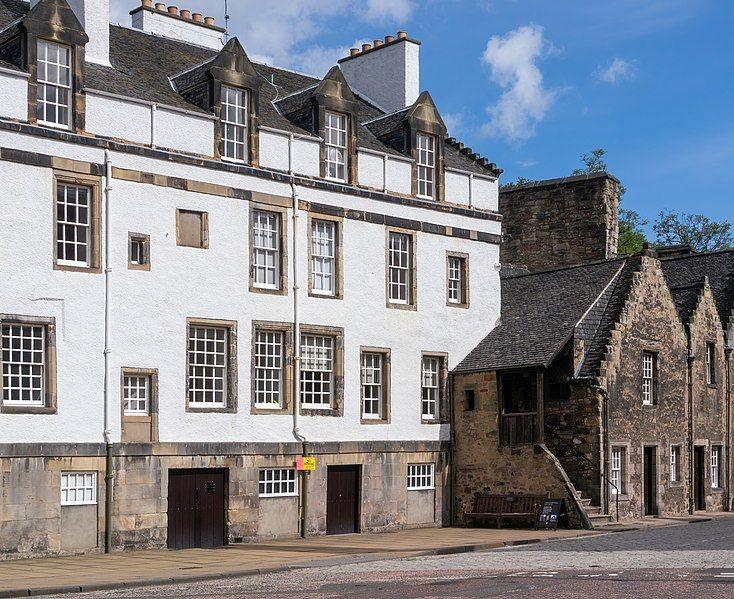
[
  {"x": 266, "y": 230},
  {"x": 131, "y": 386},
  {"x": 421, "y": 477},
  {"x": 27, "y": 364},
  {"x": 81, "y": 227},
  {"x": 54, "y": 84},
  {"x": 372, "y": 369},
  {"x": 617, "y": 470},
  {"x": 277, "y": 482},
  {"x": 715, "y": 466},
  {"x": 710, "y": 363},
  {"x": 204, "y": 372},
  {"x": 430, "y": 387},
  {"x": 74, "y": 483},
  {"x": 233, "y": 117},
  {"x": 674, "y": 463},
  {"x": 269, "y": 369},
  {"x": 400, "y": 268},
  {"x": 456, "y": 283},
  {"x": 648, "y": 378},
  {"x": 317, "y": 368},
  {"x": 336, "y": 141},
  {"x": 323, "y": 257},
  {"x": 425, "y": 160}
]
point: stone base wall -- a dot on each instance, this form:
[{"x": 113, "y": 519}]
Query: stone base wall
[{"x": 34, "y": 524}]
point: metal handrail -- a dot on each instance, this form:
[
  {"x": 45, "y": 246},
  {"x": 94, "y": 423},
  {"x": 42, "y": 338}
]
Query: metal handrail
[{"x": 581, "y": 455}]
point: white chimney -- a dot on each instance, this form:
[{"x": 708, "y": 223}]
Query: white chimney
[
  {"x": 157, "y": 19},
  {"x": 387, "y": 73},
  {"x": 94, "y": 15}
]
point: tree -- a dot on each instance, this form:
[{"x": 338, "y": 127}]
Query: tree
[
  {"x": 593, "y": 163},
  {"x": 696, "y": 230}
]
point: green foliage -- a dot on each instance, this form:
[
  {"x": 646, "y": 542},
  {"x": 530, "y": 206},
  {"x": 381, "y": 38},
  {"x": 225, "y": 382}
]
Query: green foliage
[
  {"x": 631, "y": 237},
  {"x": 696, "y": 230},
  {"x": 593, "y": 163}
]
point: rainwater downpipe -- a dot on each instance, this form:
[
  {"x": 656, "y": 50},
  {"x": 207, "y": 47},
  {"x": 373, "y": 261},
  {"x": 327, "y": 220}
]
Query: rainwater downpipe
[
  {"x": 691, "y": 452},
  {"x": 153, "y": 113},
  {"x": 727, "y": 354},
  {"x": 297, "y": 346},
  {"x": 109, "y": 467},
  {"x": 471, "y": 190}
]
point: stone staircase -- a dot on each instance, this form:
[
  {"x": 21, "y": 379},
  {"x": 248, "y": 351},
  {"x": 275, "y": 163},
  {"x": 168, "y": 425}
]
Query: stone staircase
[{"x": 594, "y": 512}]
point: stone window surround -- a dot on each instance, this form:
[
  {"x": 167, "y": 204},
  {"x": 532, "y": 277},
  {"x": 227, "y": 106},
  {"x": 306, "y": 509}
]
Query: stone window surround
[
  {"x": 386, "y": 384},
  {"x": 338, "y": 253},
  {"x": 282, "y": 213},
  {"x": 442, "y": 415},
  {"x": 204, "y": 229},
  {"x": 49, "y": 323},
  {"x": 231, "y": 326},
  {"x": 286, "y": 328},
  {"x": 464, "y": 257},
  {"x": 153, "y": 402},
  {"x": 337, "y": 399},
  {"x": 625, "y": 475},
  {"x": 94, "y": 184},
  {"x": 413, "y": 305},
  {"x": 329, "y": 103},
  {"x": 145, "y": 240},
  {"x": 437, "y": 132},
  {"x": 680, "y": 444}
]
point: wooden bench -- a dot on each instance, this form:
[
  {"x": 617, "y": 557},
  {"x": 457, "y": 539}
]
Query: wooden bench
[{"x": 487, "y": 505}]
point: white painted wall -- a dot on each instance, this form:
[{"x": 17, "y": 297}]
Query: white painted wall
[
  {"x": 150, "y": 308},
  {"x": 118, "y": 119},
  {"x": 273, "y": 150},
  {"x": 486, "y": 194},
  {"x": 13, "y": 95},
  {"x": 399, "y": 176},
  {"x": 184, "y": 132},
  {"x": 177, "y": 29},
  {"x": 472, "y": 189},
  {"x": 370, "y": 170},
  {"x": 94, "y": 15}
]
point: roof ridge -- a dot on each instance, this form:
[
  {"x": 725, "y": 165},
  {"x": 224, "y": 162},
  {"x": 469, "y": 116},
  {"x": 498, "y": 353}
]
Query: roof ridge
[
  {"x": 699, "y": 255},
  {"x": 570, "y": 267}
]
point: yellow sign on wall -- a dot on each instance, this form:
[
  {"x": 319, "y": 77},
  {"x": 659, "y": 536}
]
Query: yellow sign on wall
[{"x": 305, "y": 463}]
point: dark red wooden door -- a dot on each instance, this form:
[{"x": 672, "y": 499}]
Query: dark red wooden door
[
  {"x": 195, "y": 508},
  {"x": 342, "y": 500}
]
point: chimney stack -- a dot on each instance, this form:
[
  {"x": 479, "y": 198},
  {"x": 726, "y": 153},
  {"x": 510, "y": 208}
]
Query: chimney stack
[
  {"x": 177, "y": 24},
  {"x": 388, "y": 73}
]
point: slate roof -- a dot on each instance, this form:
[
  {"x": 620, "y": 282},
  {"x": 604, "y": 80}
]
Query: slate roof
[
  {"x": 686, "y": 299},
  {"x": 539, "y": 313},
  {"x": 142, "y": 64},
  {"x": 687, "y": 271}
]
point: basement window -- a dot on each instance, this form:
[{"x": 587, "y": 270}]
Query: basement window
[
  {"x": 420, "y": 477},
  {"x": 277, "y": 482},
  {"x": 78, "y": 488}
]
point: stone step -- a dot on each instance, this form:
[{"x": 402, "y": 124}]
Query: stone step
[
  {"x": 597, "y": 519},
  {"x": 585, "y": 501},
  {"x": 593, "y": 510}
]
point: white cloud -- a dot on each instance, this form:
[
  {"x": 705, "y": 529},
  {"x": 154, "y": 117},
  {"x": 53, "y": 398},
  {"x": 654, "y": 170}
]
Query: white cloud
[
  {"x": 387, "y": 10},
  {"x": 617, "y": 70},
  {"x": 513, "y": 60},
  {"x": 454, "y": 122}
]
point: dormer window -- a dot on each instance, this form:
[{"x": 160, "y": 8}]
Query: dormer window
[
  {"x": 233, "y": 119},
  {"x": 426, "y": 163},
  {"x": 335, "y": 138},
  {"x": 54, "y": 90}
]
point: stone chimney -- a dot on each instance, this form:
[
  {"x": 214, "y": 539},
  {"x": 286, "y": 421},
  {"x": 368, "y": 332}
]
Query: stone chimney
[
  {"x": 181, "y": 25},
  {"x": 94, "y": 15},
  {"x": 560, "y": 222},
  {"x": 387, "y": 73}
]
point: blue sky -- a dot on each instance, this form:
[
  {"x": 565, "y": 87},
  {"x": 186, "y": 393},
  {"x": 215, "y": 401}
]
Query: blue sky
[{"x": 532, "y": 84}]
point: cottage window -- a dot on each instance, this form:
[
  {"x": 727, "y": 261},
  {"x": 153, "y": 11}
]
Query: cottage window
[
  {"x": 208, "y": 366},
  {"x": 233, "y": 119},
  {"x": 649, "y": 378},
  {"x": 457, "y": 281},
  {"x": 268, "y": 369},
  {"x": 136, "y": 395},
  {"x": 675, "y": 464},
  {"x": 266, "y": 249},
  {"x": 400, "y": 264},
  {"x": 711, "y": 363},
  {"x": 53, "y": 92},
  {"x": 138, "y": 255},
  {"x": 426, "y": 165},
  {"x": 715, "y": 466},
  {"x": 78, "y": 488},
  {"x": 317, "y": 371},
  {"x": 24, "y": 364},
  {"x": 192, "y": 228},
  {"x": 335, "y": 138},
  {"x": 373, "y": 385},
  {"x": 430, "y": 386},
  {"x": 618, "y": 470},
  {"x": 73, "y": 225},
  {"x": 277, "y": 482},
  {"x": 323, "y": 257},
  {"x": 420, "y": 477}
]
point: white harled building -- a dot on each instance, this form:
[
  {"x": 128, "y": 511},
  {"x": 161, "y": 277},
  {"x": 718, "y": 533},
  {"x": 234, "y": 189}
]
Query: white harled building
[{"x": 211, "y": 268}]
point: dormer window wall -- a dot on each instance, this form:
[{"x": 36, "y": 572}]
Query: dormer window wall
[
  {"x": 234, "y": 109},
  {"x": 337, "y": 150},
  {"x": 54, "y": 88}
]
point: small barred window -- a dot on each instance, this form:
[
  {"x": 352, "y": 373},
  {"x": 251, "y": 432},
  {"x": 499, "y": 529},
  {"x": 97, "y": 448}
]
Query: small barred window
[
  {"x": 420, "y": 477},
  {"x": 278, "y": 482}
]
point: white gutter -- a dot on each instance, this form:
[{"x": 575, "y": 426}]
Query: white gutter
[
  {"x": 289, "y": 134},
  {"x": 12, "y": 73},
  {"x": 103, "y": 94},
  {"x": 384, "y": 154},
  {"x": 450, "y": 169}
]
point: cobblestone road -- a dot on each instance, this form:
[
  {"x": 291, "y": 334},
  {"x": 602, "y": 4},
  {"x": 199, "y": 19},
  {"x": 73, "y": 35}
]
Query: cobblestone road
[{"x": 687, "y": 560}]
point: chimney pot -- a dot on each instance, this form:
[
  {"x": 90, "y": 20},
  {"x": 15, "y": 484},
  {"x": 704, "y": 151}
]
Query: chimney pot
[
  {"x": 173, "y": 10},
  {"x": 378, "y": 43},
  {"x": 147, "y": 3},
  {"x": 353, "y": 51},
  {"x": 402, "y": 35},
  {"x": 160, "y": 6},
  {"x": 209, "y": 20},
  {"x": 389, "y": 39},
  {"x": 197, "y": 17},
  {"x": 185, "y": 13},
  {"x": 366, "y": 47}
]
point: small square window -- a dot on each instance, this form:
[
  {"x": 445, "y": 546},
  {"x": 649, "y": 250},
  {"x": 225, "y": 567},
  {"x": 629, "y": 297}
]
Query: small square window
[
  {"x": 138, "y": 251},
  {"x": 78, "y": 488},
  {"x": 278, "y": 482},
  {"x": 420, "y": 477},
  {"x": 192, "y": 228},
  {"x": 136, "y": 395}
]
